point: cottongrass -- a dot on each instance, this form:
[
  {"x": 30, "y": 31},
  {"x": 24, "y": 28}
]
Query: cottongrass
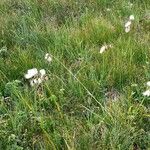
[
  {"x": 131, "y": 17},
  {"x": 147, "y": 92},
  {"x": 105, "y": 47},
  {"x": 48, "y": 57},
  {"x": 128, "y": 23},
  {"x": 148, "y": 83},
  {"x": 31, "y": 73},
  {"x": 36, "y": 77}
]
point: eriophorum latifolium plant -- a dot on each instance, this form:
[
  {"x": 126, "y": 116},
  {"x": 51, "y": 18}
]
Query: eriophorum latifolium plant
[{"x": 74, "y": 75}]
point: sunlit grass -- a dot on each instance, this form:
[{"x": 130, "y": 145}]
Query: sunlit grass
[{"x": 91, "y": 100}]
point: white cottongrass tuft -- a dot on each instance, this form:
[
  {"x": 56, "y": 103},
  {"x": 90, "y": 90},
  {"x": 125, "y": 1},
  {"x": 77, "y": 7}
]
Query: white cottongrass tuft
[
  {"x": 105, "y": 47},
  {"x": 146, "y": 93},
  {"x": 131, "y": 17},
  {"x": 36, "y": 77},
  {"x": 148, "y": 83},
  {"x": 31, "y": 82},
  {"x": 48, "y": 57},
  {"x": 127, "y": 29},
  {"x": 128, "y": 24},
  {"x": 31, "y": 73},
  {"x": 42, "y": 72},
  {"x": 40, "y": 80},
  {"x": 35, "y": 81}
]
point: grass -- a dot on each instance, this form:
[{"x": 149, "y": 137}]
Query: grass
[{"x": 90, "y": 101}]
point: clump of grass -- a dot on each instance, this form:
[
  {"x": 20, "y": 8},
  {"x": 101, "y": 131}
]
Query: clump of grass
[{"x": 91, "y": 100}]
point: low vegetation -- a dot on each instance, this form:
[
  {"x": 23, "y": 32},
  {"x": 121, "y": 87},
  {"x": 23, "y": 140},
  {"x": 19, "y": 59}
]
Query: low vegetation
[{"x": 74, "y": 75}]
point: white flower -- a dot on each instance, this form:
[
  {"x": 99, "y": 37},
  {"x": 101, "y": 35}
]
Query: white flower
[
  {"x": 128, "y": 24},
  {"x": 31, "y": 73},
  {"x": 35, "y": 81},
  {"x": 39, "y": 80},
  {"x": 46, "y": 78},
  {"x": 131, "y": 17},
  {"x": 42, "y": 72},
  {"x": 127, "y": 29},
  {"x": 31, "y": 82},
  {"x": 104, "y": 48},
  {"x": 146, "y": 93},
  {"x": 148, "y": 83},
  {"x": 48, "y": 57},
  {"x": 36, "y": 77}
]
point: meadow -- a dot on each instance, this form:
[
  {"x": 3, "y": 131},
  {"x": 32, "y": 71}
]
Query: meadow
[{"x": 74, "y": 75}]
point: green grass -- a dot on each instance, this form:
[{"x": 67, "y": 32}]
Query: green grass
[{"x": 75, "y": 108}]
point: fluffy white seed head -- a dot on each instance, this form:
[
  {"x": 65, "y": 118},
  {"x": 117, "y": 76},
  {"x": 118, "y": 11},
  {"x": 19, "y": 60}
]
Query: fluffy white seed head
[
  {"x": 127, "y": 29},
  {"x": 131, "y": 17},
  {"x": 148, "y": 83},
  {"x": 110, "y": 46},
  {"x": 31, "y": 83},
  {"x": 31, "y": 73},
  {"x": 42, "y": 72},
  {"x": 39, "y": 80},
  {"x": 146, "y": 93},
  {"x": 103, "y": 48},
  {"x": 128, "y": 24},
  {"x": 35, "y": 81},
  {"x": 48, "y": 57}
]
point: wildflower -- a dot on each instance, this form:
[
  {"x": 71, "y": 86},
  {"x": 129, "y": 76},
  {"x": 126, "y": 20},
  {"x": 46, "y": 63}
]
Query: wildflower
[
  {"x": 31, "y": 73},
  {"x": 146, "y": 93},
  {"x": 127, "y": 29},
  {"x": 36, "y": 77},
  {"x": 105, "y": 47},
  {"x": 48, "y": 57},
  {"x": 39, "y": 80},
  {"x": 42, "y": 73},
  {"x": 148, "y": 83},
  {"x": 46, "y": 78},
  {"x": 131, "y": 17},
  {"x": 35, "y": 81},
  {"x": 127, "y": 26},
  {"x": 32, "y": 83},
  {"x": 128, "y": 23}
]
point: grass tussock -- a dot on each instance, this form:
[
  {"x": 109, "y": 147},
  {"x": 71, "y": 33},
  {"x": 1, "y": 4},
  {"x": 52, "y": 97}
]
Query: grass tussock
[{"x": 89, "y": 87}]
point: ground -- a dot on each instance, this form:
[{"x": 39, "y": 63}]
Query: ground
[{"x": 91, "y": 97}]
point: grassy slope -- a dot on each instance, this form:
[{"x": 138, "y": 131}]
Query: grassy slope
[{"x": 71, "y": 111}]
